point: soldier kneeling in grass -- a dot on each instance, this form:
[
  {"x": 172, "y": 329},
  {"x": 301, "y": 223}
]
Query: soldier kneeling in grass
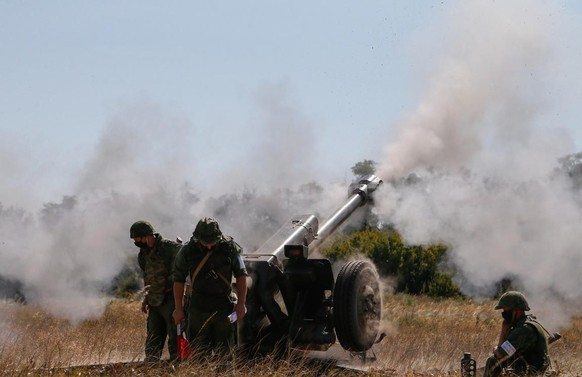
[{"x": 522, "y": 346}]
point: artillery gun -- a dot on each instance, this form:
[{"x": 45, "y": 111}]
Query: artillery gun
[{"x": 293, "y": 300}]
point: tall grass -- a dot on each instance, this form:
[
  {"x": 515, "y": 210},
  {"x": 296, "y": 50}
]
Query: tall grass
[
  {"x": 430, "y": 336},
  {"x": 424, "y": 337}
]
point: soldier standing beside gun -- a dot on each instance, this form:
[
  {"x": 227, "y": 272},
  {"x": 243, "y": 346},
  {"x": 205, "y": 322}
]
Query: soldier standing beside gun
[
  {"x": 211, "y": 259},
  {"x": 522, "y": 345},
  {"x": 156, "y": 260}
]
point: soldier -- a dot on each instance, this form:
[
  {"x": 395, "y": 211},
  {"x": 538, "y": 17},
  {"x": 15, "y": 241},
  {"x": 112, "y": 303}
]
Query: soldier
[
  {"x": 522, "y": 345},
  {"x": 156, "y": 260},
  {"x": 211, "y": 259}
]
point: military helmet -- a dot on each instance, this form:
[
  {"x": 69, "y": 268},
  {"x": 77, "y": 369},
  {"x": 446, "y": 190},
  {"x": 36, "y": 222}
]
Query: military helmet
[
  {"x": 207, "y": 230},
  {"x": 141, "y": 229},
  {"x": 513, "y": 300}
]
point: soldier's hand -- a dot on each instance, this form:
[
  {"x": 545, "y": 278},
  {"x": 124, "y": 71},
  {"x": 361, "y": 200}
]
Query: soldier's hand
[
  {"x": 178, "y": 316},
  {"x": 240, "y": 310},
  {"x": 144, "y": 306},
  {"x": 505, "y": 327}
]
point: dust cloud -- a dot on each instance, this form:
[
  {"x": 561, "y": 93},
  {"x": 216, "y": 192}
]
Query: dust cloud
[{"x": 476, "y": 164}]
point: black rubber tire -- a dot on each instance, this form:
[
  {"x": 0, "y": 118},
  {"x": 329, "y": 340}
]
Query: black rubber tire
[{"x": 357, "y": 306}]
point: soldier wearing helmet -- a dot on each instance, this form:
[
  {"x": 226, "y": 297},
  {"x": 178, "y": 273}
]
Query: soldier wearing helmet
[
  {"x": 210, "y": 259},
  {"x": 156, "y": 260},
  {"x": 522, "y": 345}
]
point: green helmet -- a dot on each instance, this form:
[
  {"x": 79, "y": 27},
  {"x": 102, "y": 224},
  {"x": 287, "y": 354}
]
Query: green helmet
[
  {"x": 207, "y": 230},
  {"x": 141, "y": 229},
  {"x": 513, "y": 300}
]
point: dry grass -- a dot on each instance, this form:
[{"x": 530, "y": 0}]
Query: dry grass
[
  {"x": 425, "y": 337},
  {"x": 430, "y": 336},
  {"x": 32, "y": 339}
]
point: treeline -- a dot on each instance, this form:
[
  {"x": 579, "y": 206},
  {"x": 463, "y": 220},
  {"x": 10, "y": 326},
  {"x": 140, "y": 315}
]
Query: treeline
[{"x": 413, "y": 269}]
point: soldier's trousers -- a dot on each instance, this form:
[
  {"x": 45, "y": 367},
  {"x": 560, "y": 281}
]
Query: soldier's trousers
[
  {"x": 517, "y": 366},
  {"x": 211, "y": 329},
  {"x": 160, "y": 325}
]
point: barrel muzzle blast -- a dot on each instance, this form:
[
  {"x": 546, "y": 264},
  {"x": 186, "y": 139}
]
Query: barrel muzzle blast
[{"x": 365, "y": 187}]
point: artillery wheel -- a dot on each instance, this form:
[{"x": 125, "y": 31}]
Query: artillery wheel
[{"x": 357, "y": 306}]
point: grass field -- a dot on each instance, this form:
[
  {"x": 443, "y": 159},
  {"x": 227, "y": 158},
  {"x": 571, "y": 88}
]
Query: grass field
[{"x": 424, "y": 337}]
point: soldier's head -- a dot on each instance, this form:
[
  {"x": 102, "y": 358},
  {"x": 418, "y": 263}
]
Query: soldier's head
[
  {"x": 142, "y": 234},
  {"x": 207, "y": 232},
  {"x": 513, "y": 305}
]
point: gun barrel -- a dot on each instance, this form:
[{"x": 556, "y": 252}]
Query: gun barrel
[
  {"x": 360, "y": 194},
  {"x": 305, "y": 229}
]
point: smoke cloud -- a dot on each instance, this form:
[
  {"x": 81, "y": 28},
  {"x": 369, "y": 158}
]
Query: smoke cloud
[
  {"x": 484, "y": 160},
  {"x": 145, "y": 166},
  {"x": 66, "y": 255}
]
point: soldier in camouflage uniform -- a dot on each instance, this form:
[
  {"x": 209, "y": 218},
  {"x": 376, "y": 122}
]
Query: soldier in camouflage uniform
[
  {"x": 156, "y": 260},
  {"x": 522, "y": 345},
  {"x": 211, "y": 259}
]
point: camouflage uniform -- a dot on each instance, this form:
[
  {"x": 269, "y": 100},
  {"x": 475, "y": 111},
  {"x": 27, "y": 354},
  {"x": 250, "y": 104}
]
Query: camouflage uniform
[
  {"x": 525, "y": 349},
  {"x": 156, "y": 265},
  {"x": 212, "y": 297}
]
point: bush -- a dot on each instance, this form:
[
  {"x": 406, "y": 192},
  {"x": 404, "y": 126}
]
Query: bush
[
  {"x": 128, "y": 286},
  {"x": 442, "y": 285},
  {"x": 415, "y": 267}
]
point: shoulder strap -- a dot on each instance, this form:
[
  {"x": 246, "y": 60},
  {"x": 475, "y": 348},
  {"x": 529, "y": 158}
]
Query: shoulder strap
[
  {"x": 200, "y": 265},
  {"x": 225, "y": 280},
  {"x": 231, "y": 243}
]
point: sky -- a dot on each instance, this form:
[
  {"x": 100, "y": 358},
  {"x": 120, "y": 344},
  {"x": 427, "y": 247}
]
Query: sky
[
  {"x": 150, "y": 110},
  {"x": 350, "y": 71},
  {"x": 69, "y": 67}
]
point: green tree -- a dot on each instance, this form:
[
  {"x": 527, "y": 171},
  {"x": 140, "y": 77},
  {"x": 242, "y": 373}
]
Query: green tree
[{"x": 365, "y": 167}]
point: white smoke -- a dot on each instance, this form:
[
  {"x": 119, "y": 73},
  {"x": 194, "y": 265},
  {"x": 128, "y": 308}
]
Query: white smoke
[
  {"x": 66, "y": 255},
  {"x": 145, "y": 166},
  {"x": 485, "y": 158}
]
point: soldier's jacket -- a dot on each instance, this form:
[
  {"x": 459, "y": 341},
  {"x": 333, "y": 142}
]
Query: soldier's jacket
[
  {"x": 157, "y": 267},
  {"x": 526, "y": 343},
  {"x": 211, "y": 287}
]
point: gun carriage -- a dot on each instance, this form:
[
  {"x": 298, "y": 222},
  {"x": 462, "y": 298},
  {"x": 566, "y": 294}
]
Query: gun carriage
[{"x": 293, "y": 300}]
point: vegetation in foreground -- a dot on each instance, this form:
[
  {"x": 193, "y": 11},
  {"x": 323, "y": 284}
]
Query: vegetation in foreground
[{"x": 425, "y": 336}]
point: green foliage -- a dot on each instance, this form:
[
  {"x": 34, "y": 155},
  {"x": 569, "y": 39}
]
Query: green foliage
[
  {"x": 128, "y": 286},
  {"x": 365, "y": 167},
  {"x": 128, "y": 281},
  {"x": 415, "y": 267},
  {"x": 442, "y": 285}
]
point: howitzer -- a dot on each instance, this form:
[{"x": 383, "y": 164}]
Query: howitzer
[{"x": 292, "y": 299}]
